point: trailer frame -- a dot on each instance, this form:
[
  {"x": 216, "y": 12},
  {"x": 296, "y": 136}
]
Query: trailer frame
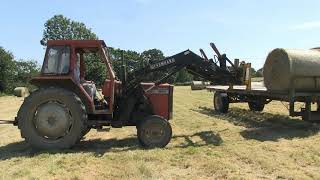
[{"x": 250, "y": 94}]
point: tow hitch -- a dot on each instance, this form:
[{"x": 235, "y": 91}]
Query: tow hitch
[{"x": 13, "y": 122}]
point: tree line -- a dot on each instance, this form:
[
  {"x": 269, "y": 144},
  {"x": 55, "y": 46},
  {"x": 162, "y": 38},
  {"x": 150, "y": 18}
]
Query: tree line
[
  {"x": 60, "y": 27},
  {"x": 15, "y": 73}
]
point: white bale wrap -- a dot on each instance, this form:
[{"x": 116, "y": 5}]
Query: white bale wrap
[
  {"x": 199, "y": 85},
  {"x": 196, "y": 85},
  {"x": 21, "y": 91},
  {"x": 284, "y": 65}
]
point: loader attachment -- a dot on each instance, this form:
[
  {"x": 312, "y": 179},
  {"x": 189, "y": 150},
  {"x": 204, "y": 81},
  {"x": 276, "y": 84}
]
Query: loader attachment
[{"x": 214, "y": 70}]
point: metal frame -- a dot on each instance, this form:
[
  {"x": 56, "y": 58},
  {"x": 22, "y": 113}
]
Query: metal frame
[
  {"x": 292, "y": 96},
  {"x": 14, "y": 122}
]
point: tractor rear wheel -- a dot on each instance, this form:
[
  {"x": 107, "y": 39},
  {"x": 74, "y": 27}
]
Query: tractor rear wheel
[
  {"x": 52, "y": 118},
  {"x": 85, "y": 131},
  {"x": 154, "y": 132}
]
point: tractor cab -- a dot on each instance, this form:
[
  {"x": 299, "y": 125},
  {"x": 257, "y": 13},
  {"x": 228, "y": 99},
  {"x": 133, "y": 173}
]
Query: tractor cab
[{"x": 65, "y": 65}]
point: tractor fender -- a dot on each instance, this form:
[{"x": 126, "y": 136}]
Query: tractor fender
[{"x": 66, "y": 83}]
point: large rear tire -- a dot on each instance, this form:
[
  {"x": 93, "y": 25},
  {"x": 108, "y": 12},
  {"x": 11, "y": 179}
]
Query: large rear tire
[
  {"x": 85, "y": 131},
  {"x": 154, "y": 132},
  {"x": 52, "y": 118},
  {"x": 221, "y": 102}
]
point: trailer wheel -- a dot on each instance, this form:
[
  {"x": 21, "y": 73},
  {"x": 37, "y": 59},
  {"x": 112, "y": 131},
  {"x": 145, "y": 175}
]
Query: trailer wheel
[
  {"x": 256, "y": 106},
  {"x": 52, "y": 118},
  {"x": 221, "y": 102},
  {"x": 154, "y": 132}
]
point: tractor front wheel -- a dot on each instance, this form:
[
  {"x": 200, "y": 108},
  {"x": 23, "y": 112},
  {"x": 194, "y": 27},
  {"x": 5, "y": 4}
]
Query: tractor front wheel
[{"x": 154, "y": 132}]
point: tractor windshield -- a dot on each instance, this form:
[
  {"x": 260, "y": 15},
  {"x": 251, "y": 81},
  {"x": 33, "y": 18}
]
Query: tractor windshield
[{"x": 57, "y": 60}]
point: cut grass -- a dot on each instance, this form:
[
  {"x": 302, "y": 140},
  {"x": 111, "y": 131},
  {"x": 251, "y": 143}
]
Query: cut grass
[{"x": 205, "y": 145}]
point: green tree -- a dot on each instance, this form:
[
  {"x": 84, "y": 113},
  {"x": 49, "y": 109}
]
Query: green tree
[
  {"x": 131, "y": 58},
  {"x": 259, "y": 72},
  {"x": 24, "y": 71},
  {"x": 6, "y": 70},
  {"x": 253, "y": 72},
  {"x": 95, "y": 69},
  {"x": 15, "y": 73},
  {"x": 183, "y": 76},
  {"x": 59, "y": 27},
  {"x": 151, "y": 56}
]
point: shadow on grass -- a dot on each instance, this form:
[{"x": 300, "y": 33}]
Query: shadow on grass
[
  {"x": 207, "y": 137},
  {"x": 264, "y": 126},
  {"x": 100, "y": 146}
]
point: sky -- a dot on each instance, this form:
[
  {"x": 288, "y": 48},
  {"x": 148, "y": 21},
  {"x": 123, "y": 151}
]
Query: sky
[{"x": 244, "y": 29}]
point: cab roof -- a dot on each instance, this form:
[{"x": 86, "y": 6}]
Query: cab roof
[{"x": 77, "y": 43}]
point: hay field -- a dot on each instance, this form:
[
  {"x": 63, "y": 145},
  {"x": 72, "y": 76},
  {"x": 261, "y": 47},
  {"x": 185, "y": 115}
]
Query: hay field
[{"x": 205, "y": 145}]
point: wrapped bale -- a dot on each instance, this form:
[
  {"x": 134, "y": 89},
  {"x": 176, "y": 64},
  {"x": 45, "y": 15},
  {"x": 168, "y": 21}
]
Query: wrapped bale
[
  {"x": 199, "y": 85},
  {"x": 21, "y": 91},
  {"x": 302, "y": 67},
  {"x": 196, "y": 85}
]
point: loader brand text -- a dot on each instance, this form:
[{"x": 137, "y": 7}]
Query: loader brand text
[
  {"x": 162, "y": 63},
  {"x": 159, "y": 91}
]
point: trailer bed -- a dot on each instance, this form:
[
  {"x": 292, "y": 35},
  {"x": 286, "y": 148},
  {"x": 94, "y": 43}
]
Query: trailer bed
[
  {"x": 258, "y": 92},
  {"x": 258, "y": 89}
]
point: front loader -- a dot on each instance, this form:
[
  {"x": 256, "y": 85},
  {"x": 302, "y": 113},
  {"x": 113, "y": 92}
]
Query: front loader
[{"x": 66, "y": 105}]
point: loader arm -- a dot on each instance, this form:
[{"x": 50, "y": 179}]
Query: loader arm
[
  {"x": 133, "y": 93},
  {"x": 194, "y": 64}
]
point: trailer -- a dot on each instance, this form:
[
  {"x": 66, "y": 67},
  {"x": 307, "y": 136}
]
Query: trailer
[{"x": 257, "y": 96}]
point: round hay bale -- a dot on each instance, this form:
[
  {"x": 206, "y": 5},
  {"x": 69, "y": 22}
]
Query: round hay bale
[
  {"x": 197, "y": 85},
  {"x": 21, "y": 91},
  {"x": 299, "y": 66}
]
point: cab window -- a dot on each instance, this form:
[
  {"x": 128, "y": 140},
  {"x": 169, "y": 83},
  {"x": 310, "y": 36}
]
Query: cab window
[{"x": 57, "y": 60}]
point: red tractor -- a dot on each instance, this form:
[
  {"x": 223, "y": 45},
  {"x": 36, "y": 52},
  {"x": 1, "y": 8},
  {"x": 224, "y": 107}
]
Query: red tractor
[{"x": 66, "y": 105}]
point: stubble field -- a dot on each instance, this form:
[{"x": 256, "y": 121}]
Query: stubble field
[{"x": 205, "y": 145}]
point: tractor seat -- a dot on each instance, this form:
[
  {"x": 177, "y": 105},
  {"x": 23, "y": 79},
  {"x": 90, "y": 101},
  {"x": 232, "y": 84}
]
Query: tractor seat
[{"x": 90, "y": 88}]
